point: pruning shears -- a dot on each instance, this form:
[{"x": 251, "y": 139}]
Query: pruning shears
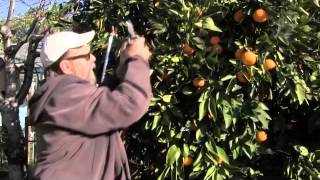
[
  {"x": 132, "y": 35},
  {"x": 106, "y": 61}
]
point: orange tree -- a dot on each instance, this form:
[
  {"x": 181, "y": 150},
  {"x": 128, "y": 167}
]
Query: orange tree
[{"x": 236, "y": 86}]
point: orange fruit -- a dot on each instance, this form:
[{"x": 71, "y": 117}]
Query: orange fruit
[
  {"x": 187, "y": 161},
  {"x": 243, "y": 77},
  {"x": 248, "y": 58},
  {"x": 217, "y": 48},
  {"x": 187, "y": 49},
  {"x": 261, "y": 136},
  {"x": 269, "y": 64},
  {"x": 198, "y": 82},
  {"x": 238, "y": 53},
  {"x": 214, "y": 40},
  {"x": 260, "y": 16},
  {"x": 238, "y": 16}
]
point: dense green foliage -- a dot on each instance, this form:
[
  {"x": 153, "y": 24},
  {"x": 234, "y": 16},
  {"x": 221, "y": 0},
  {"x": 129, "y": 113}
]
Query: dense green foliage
[{"x": 216, "y": 124}]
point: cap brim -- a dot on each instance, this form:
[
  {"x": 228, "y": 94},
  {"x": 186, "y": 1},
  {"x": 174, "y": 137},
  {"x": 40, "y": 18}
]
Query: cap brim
[{"x": 83, "y": 39}]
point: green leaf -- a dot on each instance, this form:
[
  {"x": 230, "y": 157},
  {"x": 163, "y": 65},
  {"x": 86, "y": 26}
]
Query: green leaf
[
  {"x": 203, "y": 106},
  {"x": 175, "y": 59},
  {"x": 247, "y": 150},
  {"x": 209, "y": 24},
  {"x": 199, "y": 43},
  {"x": 187, "y": 90},
  {"x": 227, "y": 113},
  {"x": 265, "y": 123},
  {"x": 222, "y": 154},
  {"x": 302, "y": 150},
  {"x": 198, "y": 24},
  {"x": 185, "y": 150},
  {"x": 228, "y": 77},
  {"x": 263, "y": 106},
  {"x": 199, "y": 135},
  {"x": 198, "y": 159},
  {"x": 212, "y": 108},
  {"x": 173, "y": 154},
  {"x": 301, "y": 94},
  {"x": 167, "y": 98},
  {"x": 210, "y": 172},
  {"x": 164, "y": 173},
  {"x": 174, "y": 173},
  {"x": 209, "y": 146},
  {"x": 175, "y": 13},
  {"x": 155, "y": 122},
  {"x": 236, "y": 152}
]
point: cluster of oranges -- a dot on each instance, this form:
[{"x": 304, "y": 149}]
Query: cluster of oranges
[
  {"x": 187, "y": 161},
  {"x": 247, "y": 57},
  {"x": 259, "y": 16}
]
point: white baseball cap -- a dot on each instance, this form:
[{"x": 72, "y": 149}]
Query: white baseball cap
[{"x": 55, "y": 45}]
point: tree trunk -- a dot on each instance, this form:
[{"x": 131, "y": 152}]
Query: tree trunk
[
  {"x": 14, "y": 148},
  {"x": 14, "y": 144}
]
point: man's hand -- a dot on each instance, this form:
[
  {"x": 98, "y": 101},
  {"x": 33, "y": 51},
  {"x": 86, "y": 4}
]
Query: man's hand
[{"x": 135, "y": 47}]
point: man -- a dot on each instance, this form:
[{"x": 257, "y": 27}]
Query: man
[{"x": 78, "y": 123}]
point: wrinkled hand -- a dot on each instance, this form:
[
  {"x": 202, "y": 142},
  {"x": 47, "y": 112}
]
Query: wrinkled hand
[{"x": 135, "y": 47}]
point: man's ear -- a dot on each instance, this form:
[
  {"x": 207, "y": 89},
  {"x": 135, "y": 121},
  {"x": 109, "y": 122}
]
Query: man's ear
[{"x": 65, "y": 67}]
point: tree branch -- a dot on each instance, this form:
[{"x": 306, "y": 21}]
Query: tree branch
[
  {"x": 5, "y": 29},
  {"x": 28, "y": 34},
  {"x": 10, "y": 12},
  {"x": 33, "y": 29},
  {"x": 29, "y": 65}
]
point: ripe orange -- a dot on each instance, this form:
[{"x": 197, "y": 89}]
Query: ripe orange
[
  {"x": 238, "y": 53},
  {"x": 198, "y": 82},
  {"x": 187, "y": 161},
  {"x": 217, "y": 48},
  {"x": 243, "y": 77},
  {"x": 214, "y": 40},
  {"x": 261, "y": 136},
  {"x": 239, "y": 16},
  {"x": 269, "y": 64},
  {"x": 248, "y": 58},
  {"x": 260, "y": 16},
  {"x": 187, "y": 49}
]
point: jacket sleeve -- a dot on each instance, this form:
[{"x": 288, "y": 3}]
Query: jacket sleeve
[{"x": 101, "y": 110}]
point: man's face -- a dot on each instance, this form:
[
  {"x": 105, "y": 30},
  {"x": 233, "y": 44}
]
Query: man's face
[{"x": 81, "y": 62}]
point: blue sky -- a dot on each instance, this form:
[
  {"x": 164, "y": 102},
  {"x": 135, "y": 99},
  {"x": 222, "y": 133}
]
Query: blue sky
[{"x": 22, "y": 6}]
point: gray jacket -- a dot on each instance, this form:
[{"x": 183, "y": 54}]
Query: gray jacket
[{"x": 77, "y": 124}]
